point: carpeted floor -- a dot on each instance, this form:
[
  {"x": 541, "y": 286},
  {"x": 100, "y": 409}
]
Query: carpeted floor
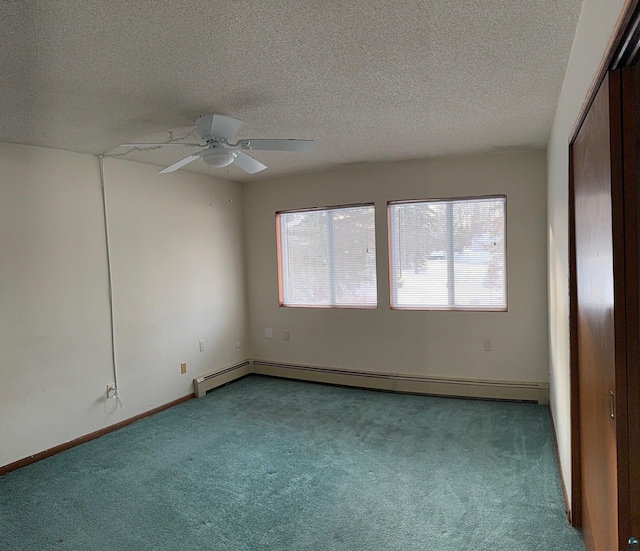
[{"x": 268, "y": 464}]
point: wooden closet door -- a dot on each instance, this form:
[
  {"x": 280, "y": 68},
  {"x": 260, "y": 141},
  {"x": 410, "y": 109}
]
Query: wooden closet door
[{"x": 596, "y": 336}]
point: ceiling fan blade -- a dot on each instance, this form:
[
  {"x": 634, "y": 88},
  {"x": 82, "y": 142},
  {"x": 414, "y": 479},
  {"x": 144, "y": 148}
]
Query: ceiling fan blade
[
  {"x": 180, "y": 163},
  {"x": 276, "y": 145},
  {"x": 248, "y": 163},
  {"x": 184, "y": 144}
]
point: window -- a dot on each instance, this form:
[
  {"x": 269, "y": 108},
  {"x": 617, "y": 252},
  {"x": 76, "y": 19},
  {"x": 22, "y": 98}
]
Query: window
[
  {"x": 327, "y": 257},
  {"x": 448, "y": 254}
]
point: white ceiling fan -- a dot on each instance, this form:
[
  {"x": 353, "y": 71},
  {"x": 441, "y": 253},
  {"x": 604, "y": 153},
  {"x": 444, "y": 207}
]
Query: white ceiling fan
[{"x": 216, "y": 131}]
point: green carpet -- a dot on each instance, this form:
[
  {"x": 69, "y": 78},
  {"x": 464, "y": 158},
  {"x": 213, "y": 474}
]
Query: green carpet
[{"x": 268, "y": 464}]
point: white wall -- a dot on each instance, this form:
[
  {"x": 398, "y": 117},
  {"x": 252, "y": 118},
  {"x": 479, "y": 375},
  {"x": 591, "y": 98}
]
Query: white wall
[
  {"x": 595, "y": 28},
  {"x": 447, "y": 344},
  {"x": 178, "y": 273}
]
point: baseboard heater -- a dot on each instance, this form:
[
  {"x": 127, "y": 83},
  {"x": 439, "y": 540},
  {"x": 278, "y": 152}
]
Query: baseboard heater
[
  {"x": 218, "y": 378},
  {"x": 537, "y": 392}
]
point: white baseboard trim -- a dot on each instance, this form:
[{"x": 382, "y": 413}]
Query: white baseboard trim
[
  {"x": 395, "y": 382},
  {"x": 416, "y": 384},
  {"x": 220, "y": 377}
]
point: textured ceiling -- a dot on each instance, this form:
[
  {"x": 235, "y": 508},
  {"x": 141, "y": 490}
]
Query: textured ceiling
[{"x": 368, "y": 80}]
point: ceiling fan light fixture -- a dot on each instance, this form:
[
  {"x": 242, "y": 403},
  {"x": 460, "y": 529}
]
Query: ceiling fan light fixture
[{"x": 218, "y": 159}]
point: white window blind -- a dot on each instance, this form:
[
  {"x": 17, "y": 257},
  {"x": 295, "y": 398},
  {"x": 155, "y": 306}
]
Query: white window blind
[
  {"x": 328, "y": 257},
  {"x": 448, "y": 255}
]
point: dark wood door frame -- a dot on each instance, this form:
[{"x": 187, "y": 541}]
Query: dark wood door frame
[
  {"x": 575, "y": 507},
  {"x": 630, "y": 119}
]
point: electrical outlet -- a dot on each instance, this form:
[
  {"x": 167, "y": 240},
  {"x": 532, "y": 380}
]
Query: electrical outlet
[
  {"x": 202, "y": 345},
  {"x": 183, "y": 368},
  {"x": 488, "y": 345},
  {"x": 286, "y": 335},
  {"x": 111, "y": 390},
  {"x": 238, "y": 347}
]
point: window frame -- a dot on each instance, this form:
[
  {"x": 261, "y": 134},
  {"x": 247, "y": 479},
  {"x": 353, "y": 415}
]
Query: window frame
[
  {"x": 448, "y": 308},
  {"x": 280, "y": 256}
]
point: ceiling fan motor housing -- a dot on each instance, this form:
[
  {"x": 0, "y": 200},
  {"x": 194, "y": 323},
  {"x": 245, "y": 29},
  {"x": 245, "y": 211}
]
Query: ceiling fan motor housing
[
  {"x": 218, "y": 128},
  {"x": 203, "y": 126}
]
